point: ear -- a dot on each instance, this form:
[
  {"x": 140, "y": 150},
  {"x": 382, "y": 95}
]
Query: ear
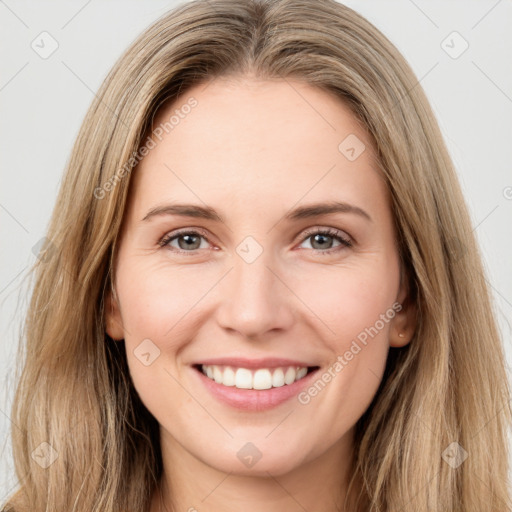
[
  {"x": 403, "y": 324},
  {"x": 113, "y": 320}
]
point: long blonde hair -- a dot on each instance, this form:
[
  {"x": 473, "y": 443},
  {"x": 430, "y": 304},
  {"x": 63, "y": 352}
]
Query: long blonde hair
[{"x": 435, "y": 435}]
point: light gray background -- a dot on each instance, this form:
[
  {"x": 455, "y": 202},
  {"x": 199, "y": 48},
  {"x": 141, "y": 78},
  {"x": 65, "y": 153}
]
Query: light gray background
[{"x": 43, "y": 101}]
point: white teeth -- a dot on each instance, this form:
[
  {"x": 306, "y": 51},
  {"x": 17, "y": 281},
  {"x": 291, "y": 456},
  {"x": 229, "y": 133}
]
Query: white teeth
[
  {"x": 290, "y": 375},
  {"x": 228, "y": 378},
  {"x": 278, "y": 378},
  {"x": 263, "y": 378},
  {"x": 243, "y": 378},
  {"x": 301, "y": 373},
  {"x": 217, "y": 375}
]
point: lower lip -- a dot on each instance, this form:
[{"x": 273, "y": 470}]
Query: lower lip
[{"x": 254, "y": 399}]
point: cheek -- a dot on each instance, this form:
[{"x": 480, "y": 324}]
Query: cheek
[
  {"x": 156, "y": 301},
  {"x": 356, "y": 304},
  {"x": 157, "y": 306},
  {"x": 349, "y": 300}
]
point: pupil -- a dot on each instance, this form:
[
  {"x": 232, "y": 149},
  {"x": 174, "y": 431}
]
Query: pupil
[
  {"x": 189, "y": 240},
  {"x": 320, "y": 236}
]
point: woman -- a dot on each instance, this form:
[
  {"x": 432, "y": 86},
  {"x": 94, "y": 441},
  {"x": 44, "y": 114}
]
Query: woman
[{"x": 261, "y": 369}]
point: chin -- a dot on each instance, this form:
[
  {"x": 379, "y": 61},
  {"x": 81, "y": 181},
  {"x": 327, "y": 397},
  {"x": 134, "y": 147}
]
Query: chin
[{"x": 274, "y": 463}]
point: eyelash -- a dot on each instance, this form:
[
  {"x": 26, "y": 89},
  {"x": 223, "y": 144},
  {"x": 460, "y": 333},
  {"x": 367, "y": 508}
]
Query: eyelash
[{"x": 345, "y": 242}]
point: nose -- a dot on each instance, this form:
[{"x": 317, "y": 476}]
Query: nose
[{"x": 255, "y": 300}]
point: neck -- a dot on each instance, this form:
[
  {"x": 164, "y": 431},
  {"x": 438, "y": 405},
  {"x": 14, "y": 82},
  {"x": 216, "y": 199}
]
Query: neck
[{"x": 189, "y": 484}]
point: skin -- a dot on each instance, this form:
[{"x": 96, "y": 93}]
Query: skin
[{"x": 253, "y": 150}]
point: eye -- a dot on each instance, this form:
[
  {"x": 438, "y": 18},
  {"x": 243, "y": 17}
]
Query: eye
[
  {"x": 187, "y": 241},
  {"x": 321, "y": 238}
]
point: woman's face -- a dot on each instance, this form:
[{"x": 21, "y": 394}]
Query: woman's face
[{"x": 237, "y": 278}]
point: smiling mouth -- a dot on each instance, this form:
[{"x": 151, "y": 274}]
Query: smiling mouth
[{"x": 259, "y": 379}]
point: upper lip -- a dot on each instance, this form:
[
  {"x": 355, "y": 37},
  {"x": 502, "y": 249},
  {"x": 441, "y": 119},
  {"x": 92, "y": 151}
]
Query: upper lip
[{"x": 241, "y": 362}]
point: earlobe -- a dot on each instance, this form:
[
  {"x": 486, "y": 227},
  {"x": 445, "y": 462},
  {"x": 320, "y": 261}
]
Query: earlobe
[
  {"x": 399, "y": 339},
  {"x": 404, "y": 324},
  {"x": 113, "y": 320}
]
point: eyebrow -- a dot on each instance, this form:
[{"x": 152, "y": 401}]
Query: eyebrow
[{"x": 302, "y": 212}]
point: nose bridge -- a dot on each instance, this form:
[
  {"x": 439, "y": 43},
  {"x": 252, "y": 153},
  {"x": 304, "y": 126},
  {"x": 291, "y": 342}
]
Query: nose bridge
[{"x": 254, "y": 300}]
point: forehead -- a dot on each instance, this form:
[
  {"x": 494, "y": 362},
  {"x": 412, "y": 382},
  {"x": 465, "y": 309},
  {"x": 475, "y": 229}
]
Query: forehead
[
  {"x": 251, "y": 107},
  {"x": 259, "y": 141}
]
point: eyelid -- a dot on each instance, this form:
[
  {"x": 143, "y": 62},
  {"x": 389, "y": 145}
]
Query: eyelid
[{"x": 334, "y": 232}]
